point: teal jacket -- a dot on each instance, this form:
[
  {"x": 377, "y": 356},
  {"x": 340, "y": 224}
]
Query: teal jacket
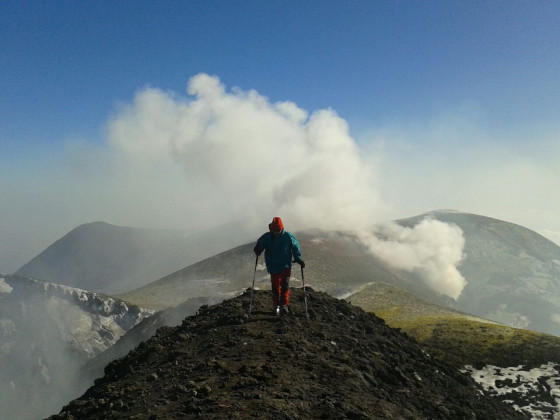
[{"x": 278, "y": 250}]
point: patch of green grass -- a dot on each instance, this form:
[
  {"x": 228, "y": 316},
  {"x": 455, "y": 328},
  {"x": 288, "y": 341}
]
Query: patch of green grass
[
  {"x": 461, "y": 340},
  {"x": 457, "y": 337}
]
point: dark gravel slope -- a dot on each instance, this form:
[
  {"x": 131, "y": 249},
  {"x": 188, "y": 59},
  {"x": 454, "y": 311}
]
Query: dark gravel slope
[{"x": 341, "y": 363}]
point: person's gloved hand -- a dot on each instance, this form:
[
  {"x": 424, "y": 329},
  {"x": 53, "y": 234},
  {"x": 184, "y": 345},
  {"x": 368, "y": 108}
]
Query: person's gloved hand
[
  {"x": 256, "y": 251},
  {"x": 300, "y": 262}
]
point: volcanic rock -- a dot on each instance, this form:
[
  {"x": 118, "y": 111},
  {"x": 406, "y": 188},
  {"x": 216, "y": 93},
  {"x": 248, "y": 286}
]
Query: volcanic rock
[{"x": 338, "y": 363}]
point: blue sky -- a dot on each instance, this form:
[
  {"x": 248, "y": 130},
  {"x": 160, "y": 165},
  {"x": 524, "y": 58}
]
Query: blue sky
[
  {"x": 440, "y": 96},
  {"x": 65, "y": 64}
]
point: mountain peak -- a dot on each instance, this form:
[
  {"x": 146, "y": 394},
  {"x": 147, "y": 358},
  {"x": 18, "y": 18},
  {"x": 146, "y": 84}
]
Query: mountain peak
[{"x": 341, "y": 363}]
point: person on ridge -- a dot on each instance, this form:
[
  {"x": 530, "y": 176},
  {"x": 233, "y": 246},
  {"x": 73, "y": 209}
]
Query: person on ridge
[{"x": 279, "y": 247}]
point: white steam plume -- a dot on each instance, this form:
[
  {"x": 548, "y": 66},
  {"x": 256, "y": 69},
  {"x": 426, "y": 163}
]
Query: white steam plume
[
  {"x": 432, "y": 249},
  {"x": 245, "y": 158}
]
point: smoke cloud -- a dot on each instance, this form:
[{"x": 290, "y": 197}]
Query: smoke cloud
[
  {"x": 246, "y": 159},
  {"x": 431, "y": 249}
]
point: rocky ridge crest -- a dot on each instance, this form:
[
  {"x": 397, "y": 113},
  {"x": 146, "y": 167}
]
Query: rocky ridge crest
[{"x": 341, "y": 363}]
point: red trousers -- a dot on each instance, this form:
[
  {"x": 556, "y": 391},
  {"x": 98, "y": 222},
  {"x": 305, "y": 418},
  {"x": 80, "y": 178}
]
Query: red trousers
[{"x": 281, "y": 287}]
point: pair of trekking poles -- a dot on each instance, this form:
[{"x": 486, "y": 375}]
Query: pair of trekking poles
[{"x": 253, "y": 288}]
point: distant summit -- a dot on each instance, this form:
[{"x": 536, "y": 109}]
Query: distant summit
[
  {"x": 342, "y": 363},
  {"x": 113, "y": 259},
  {"x": 512, "y": 273}
]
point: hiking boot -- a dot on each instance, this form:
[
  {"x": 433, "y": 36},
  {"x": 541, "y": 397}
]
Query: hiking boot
[{"x": 285, "y": 310}]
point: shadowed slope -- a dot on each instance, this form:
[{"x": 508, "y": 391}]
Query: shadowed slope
[{"x": 112, "y": 259}]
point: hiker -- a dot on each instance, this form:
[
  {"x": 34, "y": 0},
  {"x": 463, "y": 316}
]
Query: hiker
[{"x": 279, "y": 247}]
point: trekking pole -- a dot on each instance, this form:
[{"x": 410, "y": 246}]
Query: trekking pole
[
  {"x": 253, "y": 287},
  {"x": 304, "y": 294}
]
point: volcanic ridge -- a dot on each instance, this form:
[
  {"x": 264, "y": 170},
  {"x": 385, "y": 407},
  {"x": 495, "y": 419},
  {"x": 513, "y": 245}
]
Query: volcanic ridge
[{"x": 339, "y": 363}]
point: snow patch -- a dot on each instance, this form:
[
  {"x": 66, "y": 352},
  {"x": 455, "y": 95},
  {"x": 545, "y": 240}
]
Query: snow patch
[
  {"x": 353, "y": 291},
  {"x": 88, "y": 321},
  {"x": 4, "y": 287},
  {"x": 317, "y": 241},
  {"x": 7, "y": 327},
  {"x": 44, "y": 371},
  {"x": 534, "y": 386},
  {"x": 513, "y": 319}
]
